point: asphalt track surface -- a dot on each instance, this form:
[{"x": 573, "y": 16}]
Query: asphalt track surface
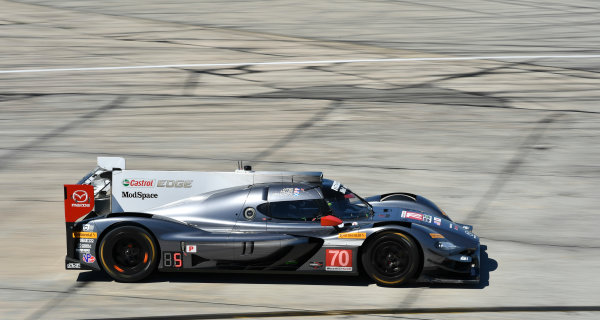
[{"x": 510, "y": 145}]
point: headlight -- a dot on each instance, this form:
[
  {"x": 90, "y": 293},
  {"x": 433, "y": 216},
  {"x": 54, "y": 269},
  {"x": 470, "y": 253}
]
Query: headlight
[{"x": 445, "y": 245}]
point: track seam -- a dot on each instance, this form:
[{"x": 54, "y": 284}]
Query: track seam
[{"x": 350, "y": 312}]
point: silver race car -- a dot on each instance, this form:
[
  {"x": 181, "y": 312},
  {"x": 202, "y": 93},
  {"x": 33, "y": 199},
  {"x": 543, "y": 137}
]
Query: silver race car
[{"x": 131, "y": 223}]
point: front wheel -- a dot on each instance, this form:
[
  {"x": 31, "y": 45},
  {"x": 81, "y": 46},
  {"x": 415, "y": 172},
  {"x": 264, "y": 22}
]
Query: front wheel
[
  {"x": 391, "y": 259},
  {"x": 128, "y": 254}
]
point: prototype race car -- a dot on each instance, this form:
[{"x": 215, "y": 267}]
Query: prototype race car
[{"x": 130, "y": 223}]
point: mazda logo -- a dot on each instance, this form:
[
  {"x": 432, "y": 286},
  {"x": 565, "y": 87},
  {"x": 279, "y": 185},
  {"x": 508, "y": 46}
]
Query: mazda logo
[{"x": 80, "y": 196}]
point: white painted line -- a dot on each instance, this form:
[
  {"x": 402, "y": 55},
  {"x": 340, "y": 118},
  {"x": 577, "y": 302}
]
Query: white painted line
[{"x": 308, "y": 62}]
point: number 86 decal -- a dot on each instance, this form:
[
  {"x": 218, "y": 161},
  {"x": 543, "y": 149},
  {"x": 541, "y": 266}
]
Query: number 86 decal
[{"x": 172, "y": 260}]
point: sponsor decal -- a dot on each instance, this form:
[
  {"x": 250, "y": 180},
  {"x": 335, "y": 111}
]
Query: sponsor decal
[
  {"x": 80, "y": 196},
  {"x": 437, "y": 221},
  {"x": 88, "y": 235},
  {"x": 287, "y": 192},
  {"x": 342, "y": 190},
  {"x": 80, "y": 199},
  {"x": 84, "y": 240},
  {"x": 353, "y": 235},
  {"x": 174, "y": 183},
  {"x": 88, "y": 227},
  {"x": 82, "y": 250},
  {"x": 88, "y": 258},
  {"x": 412, "y": 215},
  {"x": 436, "y": 236},
  {"x": 138, "y": 195},
  {"x": 85, "y": 245},
  {"x": 190, "y": 248},
  {"x": 335, "y": 186},
  {"x": 427, "y": 218},
  {"x": 338, "y": 260},
  {"x": 138, "y": 183},
  {"x": 470, "y": 234},
  {"x": 464, "y": 258},
  {"x": 297, "y": 191},
  {"x": 455, "y": 227},
  {"x": 316, "y": 264},
  {"x": 72, "y": 265}
]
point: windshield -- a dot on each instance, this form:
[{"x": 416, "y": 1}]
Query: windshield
[{"x": 345, "y": 204}]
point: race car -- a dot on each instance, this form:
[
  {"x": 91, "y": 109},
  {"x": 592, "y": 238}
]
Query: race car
[{"x": 131, "y": 223}]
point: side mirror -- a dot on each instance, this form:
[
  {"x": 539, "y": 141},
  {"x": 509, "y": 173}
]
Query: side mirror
[{"x": 331, "y": 221}]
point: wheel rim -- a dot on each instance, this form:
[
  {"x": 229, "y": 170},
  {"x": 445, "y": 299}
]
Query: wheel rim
[
  {"x": 129, "y": 254},
  {"x": 391, "y": 259}
]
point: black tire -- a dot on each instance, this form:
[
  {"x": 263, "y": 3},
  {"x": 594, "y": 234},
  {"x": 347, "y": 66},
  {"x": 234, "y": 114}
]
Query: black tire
[
  {"x": 391, "y": 259},
  {"x": 128, "y": 254}
]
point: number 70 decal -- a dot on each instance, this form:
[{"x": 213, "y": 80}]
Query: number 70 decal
[{"x": 338, "y": 260}]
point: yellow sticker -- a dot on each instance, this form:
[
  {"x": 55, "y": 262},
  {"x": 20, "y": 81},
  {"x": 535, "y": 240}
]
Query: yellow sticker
[
  {"x": 436, "y": 236},
  {"x": 353, "y": 235},
  {"x": 86, "y": 235}
]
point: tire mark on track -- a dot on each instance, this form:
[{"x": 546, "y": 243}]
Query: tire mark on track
[
  {"x": 297, "y": 130},
  {"x": 233, "y": 161},
  {"x": 58, "y": 131},
  {"x": 326, "y": 43},
  {"x": 350, "y": 312},
  {"x": 68, "y": 291},
  {"x": 562, "y": 246},
  {"x": 164, "y": 95},
  {"x": 411, "y": 297},
  {"x": 56, "y": 300},
  {"x": 510, "y": 168},
  {"x": 191, "y": 83}
]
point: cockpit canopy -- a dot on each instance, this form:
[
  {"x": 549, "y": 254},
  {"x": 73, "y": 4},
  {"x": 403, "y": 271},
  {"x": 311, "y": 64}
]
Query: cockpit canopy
[{"x": 296, "y": 201}]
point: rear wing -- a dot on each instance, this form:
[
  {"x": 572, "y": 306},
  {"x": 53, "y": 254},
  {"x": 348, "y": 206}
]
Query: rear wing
[
  {"x": 88, "y": 198},
  {"x": 113, "y": 189}
]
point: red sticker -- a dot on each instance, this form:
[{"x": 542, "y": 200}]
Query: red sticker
[
  {"x": 79, "y": 201},
  {"x": 338, "y": 260},
  {"x": 412, "y": 215}
]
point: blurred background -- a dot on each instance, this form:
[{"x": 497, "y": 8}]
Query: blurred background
[{"x": 507, "y": 144}]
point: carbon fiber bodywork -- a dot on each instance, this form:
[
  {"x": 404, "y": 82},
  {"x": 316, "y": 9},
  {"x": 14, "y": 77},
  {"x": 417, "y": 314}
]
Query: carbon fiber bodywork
[{"x": 238, "y": 229}]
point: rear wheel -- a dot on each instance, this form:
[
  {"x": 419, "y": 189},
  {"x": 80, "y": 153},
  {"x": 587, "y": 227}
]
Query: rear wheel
[
  {"x": 128, "y": 254},
  {"x": 391, "y": 259}
]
